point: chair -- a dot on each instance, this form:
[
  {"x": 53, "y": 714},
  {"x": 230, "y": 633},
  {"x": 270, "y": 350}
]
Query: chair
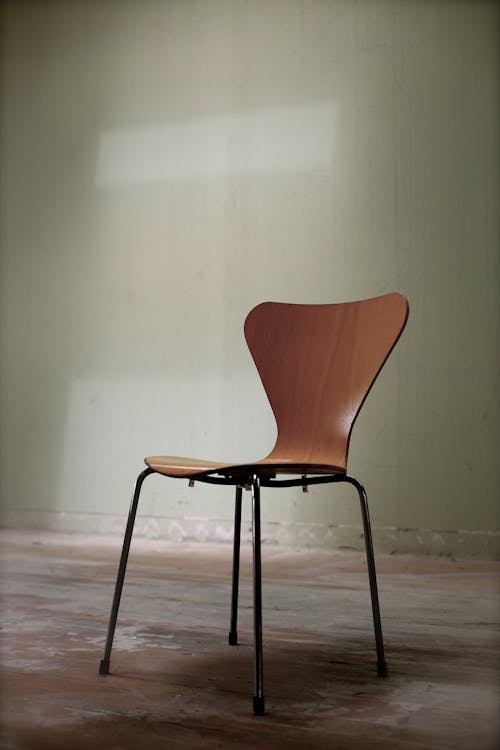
[{"x": 317, "y": 364}]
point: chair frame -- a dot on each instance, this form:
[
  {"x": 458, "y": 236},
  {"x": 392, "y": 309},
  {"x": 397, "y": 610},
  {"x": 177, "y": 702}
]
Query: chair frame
[{"x": 254, "y": 483}]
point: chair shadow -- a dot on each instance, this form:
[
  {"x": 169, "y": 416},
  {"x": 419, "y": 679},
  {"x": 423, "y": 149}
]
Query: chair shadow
[{"x": 318, "y": 695}]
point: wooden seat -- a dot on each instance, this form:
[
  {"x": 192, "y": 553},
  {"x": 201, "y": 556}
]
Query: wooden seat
[{"x": 317, "y": 364}]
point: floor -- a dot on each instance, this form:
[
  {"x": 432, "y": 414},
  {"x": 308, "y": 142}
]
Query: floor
[{"x": 175, "y": 683}]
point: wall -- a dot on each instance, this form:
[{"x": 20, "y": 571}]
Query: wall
[{"x": 168, "y": 165}]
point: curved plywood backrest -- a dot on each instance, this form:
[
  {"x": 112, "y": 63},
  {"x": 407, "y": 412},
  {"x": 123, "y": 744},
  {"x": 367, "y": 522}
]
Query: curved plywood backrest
[{"x": 317, "y": 364}]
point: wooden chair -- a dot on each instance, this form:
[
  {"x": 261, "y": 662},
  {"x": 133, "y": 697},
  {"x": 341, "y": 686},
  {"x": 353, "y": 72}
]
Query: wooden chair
[{"x": 317, "y": 364}]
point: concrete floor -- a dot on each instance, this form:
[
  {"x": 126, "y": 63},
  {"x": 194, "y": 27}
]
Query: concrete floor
[{"x": 176, "y": 684}]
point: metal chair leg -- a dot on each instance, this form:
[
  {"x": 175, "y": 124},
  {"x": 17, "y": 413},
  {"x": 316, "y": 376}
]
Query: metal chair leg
[
  {"x": 381, "y": 663},
  {"x": 233, "y": 632},
  {"x": 258, "y": 697},
  {"x": 104, "y": 666}
]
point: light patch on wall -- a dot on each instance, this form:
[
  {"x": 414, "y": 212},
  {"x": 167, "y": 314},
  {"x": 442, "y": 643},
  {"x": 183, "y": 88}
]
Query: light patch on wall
[{"x": 292, "y": 138}]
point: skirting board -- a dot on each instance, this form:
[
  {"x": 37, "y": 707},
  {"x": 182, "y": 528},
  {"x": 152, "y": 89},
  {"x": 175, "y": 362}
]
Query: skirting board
[{"x": 483, "y": 545}]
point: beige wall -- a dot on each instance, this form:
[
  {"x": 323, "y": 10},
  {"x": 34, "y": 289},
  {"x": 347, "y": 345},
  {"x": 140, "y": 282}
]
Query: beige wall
[{"x": 166, "y": 166}]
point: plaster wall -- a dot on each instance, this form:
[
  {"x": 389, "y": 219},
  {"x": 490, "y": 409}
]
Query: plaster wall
[{"x": 168, "y": 165}]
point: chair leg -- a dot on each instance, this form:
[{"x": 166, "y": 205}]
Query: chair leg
[
  {"x": 104, "y": 666},
  {"x": 381, "y": 663},
  {"x": 258, "y": 697},
  {"x": 233, "y": 632}
]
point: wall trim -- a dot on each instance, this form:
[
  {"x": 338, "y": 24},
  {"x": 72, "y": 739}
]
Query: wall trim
[{"x": 461, "y": 543}]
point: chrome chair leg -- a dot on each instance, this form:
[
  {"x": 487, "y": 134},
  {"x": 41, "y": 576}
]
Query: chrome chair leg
[
  {"x": 105, "y": 661},
  {"x": 233, "y": 631},
  {"x": 379, "y": 642},
  {"x": 258, "y": 696}
]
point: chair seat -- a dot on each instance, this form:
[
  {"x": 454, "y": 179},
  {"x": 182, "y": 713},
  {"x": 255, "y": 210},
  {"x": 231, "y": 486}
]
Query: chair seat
[{"x": 191, "y": 468}]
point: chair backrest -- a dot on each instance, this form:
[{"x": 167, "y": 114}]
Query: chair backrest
[{"x": 317, "y": 364}]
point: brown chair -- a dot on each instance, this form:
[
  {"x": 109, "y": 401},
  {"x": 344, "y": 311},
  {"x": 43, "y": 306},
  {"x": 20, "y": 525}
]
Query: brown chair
[{"x": 317, "y": 364}]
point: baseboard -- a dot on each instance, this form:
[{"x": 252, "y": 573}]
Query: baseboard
[{"x": 483, "y": 545}]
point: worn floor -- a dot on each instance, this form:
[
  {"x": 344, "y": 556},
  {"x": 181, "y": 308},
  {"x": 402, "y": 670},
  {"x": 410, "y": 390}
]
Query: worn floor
[{"x": 175, "y": 682}]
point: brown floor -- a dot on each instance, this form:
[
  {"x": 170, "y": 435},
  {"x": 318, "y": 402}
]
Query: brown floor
[{"x": 176, "y": 684}]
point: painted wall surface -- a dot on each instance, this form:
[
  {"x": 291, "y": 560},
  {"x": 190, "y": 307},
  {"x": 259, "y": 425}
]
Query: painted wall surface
[{"x": 168, "y": 165}]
